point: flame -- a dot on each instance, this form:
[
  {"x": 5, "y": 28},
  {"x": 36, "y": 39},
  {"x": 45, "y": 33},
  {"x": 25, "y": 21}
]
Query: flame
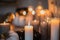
[
  {"x": 42, "y": 12},
  {"x": 24, "y": 12},
  {"x": 34, "y": 20},
  {"x": 33, "y": 12},
  {"x": 30, "y": 8},
  {"x": 28, "y": 23}
]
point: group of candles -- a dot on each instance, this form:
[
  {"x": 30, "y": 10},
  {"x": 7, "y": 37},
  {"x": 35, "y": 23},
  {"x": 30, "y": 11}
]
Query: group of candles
[
  {"x": 29, "y": 30},
  {"x": 54, "y": 28}
]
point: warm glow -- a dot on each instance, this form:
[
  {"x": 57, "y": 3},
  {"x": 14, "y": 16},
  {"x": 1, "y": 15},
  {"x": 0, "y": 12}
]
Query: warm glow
[
  {"x": 17, "y": 14},
  {"x": 4, "y": 22},
  {"x": 33, "y": 12},
  {"x": 29, "y": 23},
  {"x": 48, "y": 13},
  {"x": 30, "y": 8},
  {"x": 55, "y": 21},
  {"x": 13, "y": 16},
  {"x": 24, "y": 12},
  {"x": 34, "y": 20},
  {"x": 44, "y": 22},
  {"x": 11, "y": 27},
  {"x": 47, "y": 19},
  {"x": 42, "y": 12},
  {"x": 28, "y": 27},
  {"x": 39, "y": 7}
]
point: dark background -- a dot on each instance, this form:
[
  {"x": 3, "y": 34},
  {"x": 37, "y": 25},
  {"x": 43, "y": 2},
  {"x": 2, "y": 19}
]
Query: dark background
[{"x": 11, "y": 5}]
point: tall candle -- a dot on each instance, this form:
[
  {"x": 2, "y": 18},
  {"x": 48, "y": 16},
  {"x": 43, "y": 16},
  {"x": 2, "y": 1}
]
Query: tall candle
[
  {"x": 29, "y": 32},
  {"x": 54, "y": 29}
]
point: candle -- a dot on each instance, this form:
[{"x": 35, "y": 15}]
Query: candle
[
  {"x": 42, "y": 14},
  {"x": 29, "y": 32},
  {"x": 35, "y": 22},
  {"x": 4, "y": 23},
  {"x": 55, "y": 29},
  {"x": 4, "y": 27}
]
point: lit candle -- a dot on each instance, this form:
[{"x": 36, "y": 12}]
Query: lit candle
[
  {"x": 33, "y": 12},
  {"x": 4, "y": 27},
  {"x": 42, "y": 14},
  {"x": 54, "y": 29},
  {"x": 29, "y": 32},
  {"x": 24, "y": 12},
  {"x": 4, "y": 23},
  {"x": 30, "y": 8},
  {"x": 35, "y": 22}
]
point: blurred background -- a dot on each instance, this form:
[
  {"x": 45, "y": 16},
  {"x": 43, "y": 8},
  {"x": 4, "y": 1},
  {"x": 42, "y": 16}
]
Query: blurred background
[
  {"x": 11, "y": 11},
  {"x": 12, "y": 5}
]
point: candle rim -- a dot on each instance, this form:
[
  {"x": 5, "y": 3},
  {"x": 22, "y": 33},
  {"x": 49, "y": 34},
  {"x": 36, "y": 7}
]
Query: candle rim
[{"x": 4, "y": 23}]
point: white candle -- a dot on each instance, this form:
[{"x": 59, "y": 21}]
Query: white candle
[
  {"x": 29, "y": 32},
  {"x": 54, "y": 29}
]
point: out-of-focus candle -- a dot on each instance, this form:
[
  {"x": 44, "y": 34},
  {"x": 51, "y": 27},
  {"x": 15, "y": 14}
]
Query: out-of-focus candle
[
  {"x": 4, "y": 23},
  {"x": 30, "y": 8},
  {"x": 29, "y": 32},
  {"x": 33, "y": 12},
  {"x": 42, "y": 12},
  {"x": 4, "y": 27},
  {"x": 24, "y": 12},
  {"x": 55, "y": 29},
  {"x": 35, "y": 22}
]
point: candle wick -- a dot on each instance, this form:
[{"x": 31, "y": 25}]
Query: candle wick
[{"x": 29, "y": 23}]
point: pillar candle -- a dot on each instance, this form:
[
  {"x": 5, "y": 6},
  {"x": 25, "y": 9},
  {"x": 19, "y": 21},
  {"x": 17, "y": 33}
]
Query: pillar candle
[
  {"x": 55, "y": 29},
  {"x": 29, "y": 32},
  {"x": 4, "y": 27}
]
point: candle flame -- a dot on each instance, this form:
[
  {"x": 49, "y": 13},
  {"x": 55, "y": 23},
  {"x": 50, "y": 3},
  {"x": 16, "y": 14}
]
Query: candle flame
[
  {"x": 34, "y": 20},
  {"x": 42, "y": 12},
  {"x": 48, "y": 19},
  {"x": 29, "y": 23},
  {"x": 30, "y": 8},
  {"x": 24, "y": 12},
  {"x": 39, "y": 7},
  {"x": 33, "y": 12}
]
